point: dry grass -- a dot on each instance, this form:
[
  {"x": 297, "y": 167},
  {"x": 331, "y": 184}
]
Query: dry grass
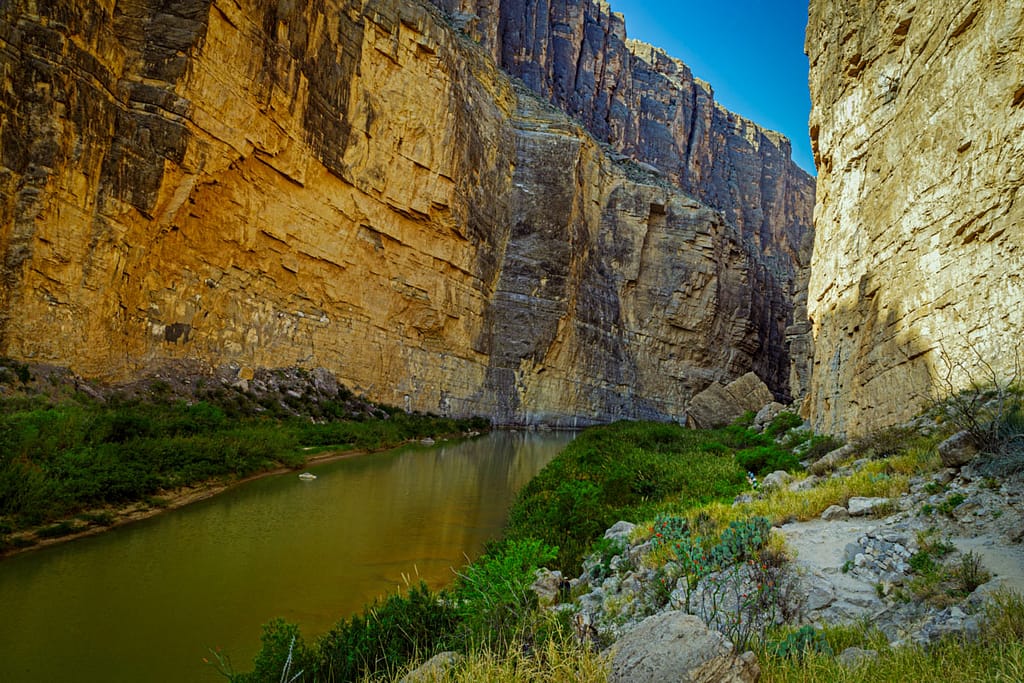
[
  {"x": 558, "y": 661},
  {"x": 997, "y": 655},
  {"x": 782, "y": 505}
]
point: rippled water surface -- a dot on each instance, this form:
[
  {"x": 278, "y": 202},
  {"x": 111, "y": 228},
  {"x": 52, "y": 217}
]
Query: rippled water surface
[{"x": 145, "y": 601}]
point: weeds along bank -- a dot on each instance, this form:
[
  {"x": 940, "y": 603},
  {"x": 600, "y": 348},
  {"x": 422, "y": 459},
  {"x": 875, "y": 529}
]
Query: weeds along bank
[
  {"x": 74, "y": 458},
  {"x": 713, "y": 540}
]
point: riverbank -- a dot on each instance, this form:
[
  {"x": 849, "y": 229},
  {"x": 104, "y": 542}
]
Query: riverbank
[
  {"x": 148, "y": 600},
  {"x": 76, "y": 459},
  {"x": 85, "y": 523},
  {"x": 756, "y": 568}
]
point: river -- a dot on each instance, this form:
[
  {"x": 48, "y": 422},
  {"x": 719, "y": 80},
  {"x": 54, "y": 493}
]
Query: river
[{"x": 144, "y": 602}]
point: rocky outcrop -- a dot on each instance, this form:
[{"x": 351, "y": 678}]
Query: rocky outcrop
[
  {"x": 674, "y": 646},
  {"x": 354, "y": 186},
  {"x": 720, "y": 404},
  {"x": 650, "y": 108},
  {"x": 918, "y": 131}
]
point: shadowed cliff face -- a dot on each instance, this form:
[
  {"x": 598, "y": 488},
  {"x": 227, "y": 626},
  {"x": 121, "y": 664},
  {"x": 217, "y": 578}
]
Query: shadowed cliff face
[
  {"x": 918, "y": 129},
  {"x": 649, "y": 107},
  {"x": 351, "y": 185}
]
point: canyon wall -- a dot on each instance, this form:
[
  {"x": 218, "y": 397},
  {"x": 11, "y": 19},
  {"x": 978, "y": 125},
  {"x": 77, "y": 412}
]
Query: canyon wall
[
  {"x": 917, "y": 280},
  {"x": 357, "y": 186},
  {"x": 649, "y": 107}
]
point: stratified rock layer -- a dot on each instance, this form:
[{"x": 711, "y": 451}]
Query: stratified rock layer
[
  {"x": 650, "y": 108},
  {"x": 918, "y": 128},
  {"x": 352, "y": 185}
]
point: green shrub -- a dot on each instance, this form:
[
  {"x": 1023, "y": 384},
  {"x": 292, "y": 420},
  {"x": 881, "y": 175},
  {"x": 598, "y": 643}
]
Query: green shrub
[
  {"x": 57, "y": 530},
  {"x": 386, "y": 636},
  {"x": 799, "y": 643},
  {"x": 493, "y": 594},
  {"x": 745, "y": 420},
  {"x": 624, "y": 470},
  {"x": 282, "y": 651},
  {"x": 782, "y": 423},
  {"x": 821, "y": 445},
  {"x": 766, "y": 459}
]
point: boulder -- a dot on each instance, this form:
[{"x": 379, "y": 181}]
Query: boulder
[
  {"x": 720, "y": 404},
  {"x": 547, "y": 586},
  {"x": 620, "y": 531},
  {"x": 831, "y": 460},
  {"x": 835, "y": 513},
  {"x": 958, "y": 450},
  {"x": 673, "y": 646},
  {"x": 860, "y": 506},
  {"x": 805, "y": 484},
  {"x": 776, "y": 480},
  {"x": 433, "y": 669}
]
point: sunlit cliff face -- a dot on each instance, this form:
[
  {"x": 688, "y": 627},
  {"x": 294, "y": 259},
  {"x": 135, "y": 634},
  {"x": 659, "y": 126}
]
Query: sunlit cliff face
[
  {"x": 918, "y": 126},
  {"x": 359, "y": 187}
]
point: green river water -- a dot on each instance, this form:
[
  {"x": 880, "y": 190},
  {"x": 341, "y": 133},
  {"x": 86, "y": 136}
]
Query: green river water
[{"x": 144, "y": 602}]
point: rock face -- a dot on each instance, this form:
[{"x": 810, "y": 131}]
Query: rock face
[
  {"x": 650, "y": 108},
  {"x": 355, "y": 185},
  {"x": 918, "y": 129}
]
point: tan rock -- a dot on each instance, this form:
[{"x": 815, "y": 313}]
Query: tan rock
[
  {"x": 918, "y": 131},
  {"x": 358, "y": 187},
  {"x": 720, "y": 404}
]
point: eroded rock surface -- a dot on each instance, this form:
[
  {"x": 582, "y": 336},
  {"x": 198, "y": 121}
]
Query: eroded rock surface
[
  {"x": 918, "y": 131},
  {"x": 357, "y": 186}
]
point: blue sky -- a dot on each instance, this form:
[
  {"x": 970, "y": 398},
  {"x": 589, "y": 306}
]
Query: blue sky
[{"x": 751, "y": 51}]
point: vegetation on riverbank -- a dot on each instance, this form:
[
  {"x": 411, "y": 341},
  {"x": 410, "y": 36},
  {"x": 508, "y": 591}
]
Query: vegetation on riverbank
[
  {"x": 67, "y": 465},
  {"x": 641, "y": 472}
]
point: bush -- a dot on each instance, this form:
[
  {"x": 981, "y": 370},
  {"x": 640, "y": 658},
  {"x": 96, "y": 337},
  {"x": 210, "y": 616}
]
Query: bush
[
  {"x": 57, "y": 460},
  {"x": 766, "y": 459},
  {"x": 624, "y": 470},
  {"x": 820, "y": 446},
  {"x": 782, "y": 423},
  {"x": 385, "y": 637},
  {"x": 282, "y": 653},
  {"x": 493, "y": 594}
]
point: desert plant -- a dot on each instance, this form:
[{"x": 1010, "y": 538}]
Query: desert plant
[
  {"x": 799, "y": 643},
  {"x": 991, "y": 409},
  {"x": 969, "y": 573}
]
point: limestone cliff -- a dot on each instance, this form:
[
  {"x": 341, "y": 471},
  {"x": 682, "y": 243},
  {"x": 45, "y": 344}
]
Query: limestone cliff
[
  {"x": 918, "y": 128},
  {"x": 649, "y": 107},
  {"x": 352, "y": 185}
]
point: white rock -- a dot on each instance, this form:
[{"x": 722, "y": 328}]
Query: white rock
[{"x": 860, "y": 506}]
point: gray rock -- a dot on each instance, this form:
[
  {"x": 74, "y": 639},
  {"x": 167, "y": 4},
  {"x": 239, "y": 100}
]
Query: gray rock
[
  {"x": 673, "y": 646},
  {"x": 958, "y": 450},
  {"x": 818, "y": 591},
  {"x": 620, "y": 530},
  {"x": 767, "y": 414},
  {"x": 835, "y": 513},
  {"x": 831, "y": 460},
  {"x": 547, "y": 585},
  {"x": 434, "y": 668},
  {"x": 805, "y": 484},
  {"x": 854, "y": 656},
  {"x": 776, "y": 480},
  {"x": 860, "y": 506}
]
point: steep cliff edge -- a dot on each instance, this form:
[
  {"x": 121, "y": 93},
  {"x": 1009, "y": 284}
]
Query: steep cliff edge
[
  {"x": 352, "y": 185},
  {"x": 918, "y": 128}
]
